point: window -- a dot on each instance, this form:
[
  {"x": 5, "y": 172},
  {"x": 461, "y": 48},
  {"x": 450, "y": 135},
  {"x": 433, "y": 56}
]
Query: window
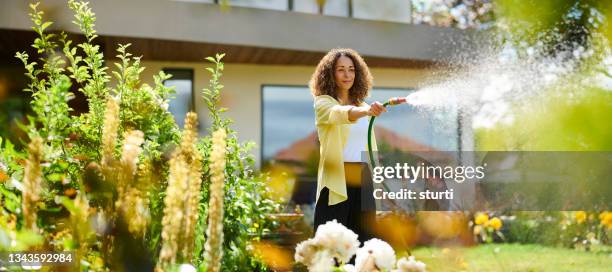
[
  {"x": 182, "y": 80},
  {"x": 289, "y": 135},
  {"x": 384, "y": 10},
  {"x": 331, "y": 7},
  {"x": 263, "y": 4},
  {"x": 288, "y": 116},
  {"x": 197, "y": 1}
]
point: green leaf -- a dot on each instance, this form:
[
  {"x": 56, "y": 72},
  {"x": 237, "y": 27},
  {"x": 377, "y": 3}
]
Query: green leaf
[{"x": 45, "y": 25}]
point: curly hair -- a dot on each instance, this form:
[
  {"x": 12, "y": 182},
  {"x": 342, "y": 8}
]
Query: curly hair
[{"x": 323, "y": 81}]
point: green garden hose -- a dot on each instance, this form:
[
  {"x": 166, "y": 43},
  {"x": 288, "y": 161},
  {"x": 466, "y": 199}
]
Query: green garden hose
[{"x": 392, "y": 101}]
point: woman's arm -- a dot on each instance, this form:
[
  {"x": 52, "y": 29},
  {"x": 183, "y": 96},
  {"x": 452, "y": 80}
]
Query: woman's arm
[
  {"x": 329, "y": 112},
  {"x": 374, "y": 109}
]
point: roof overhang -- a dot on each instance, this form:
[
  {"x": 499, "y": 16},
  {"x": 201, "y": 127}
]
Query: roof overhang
[{"x": 186, "y": 31}]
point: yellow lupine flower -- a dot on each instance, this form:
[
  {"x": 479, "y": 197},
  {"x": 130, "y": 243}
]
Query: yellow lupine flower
[
  {"x": 182, "y": 198},
  {"x": 174, "y": 216},
  {"x": 580, "y": 216},
  {"x": 128, "y": 163},
  {"x": 213, "y": 248},
  {"x": 481, "y": 219},
  {"x": 193, "y": 196},
  {"x": 32, "y": 180},
  {"x": 109, "y": 135},
  {"x": 496, "y": 223}
]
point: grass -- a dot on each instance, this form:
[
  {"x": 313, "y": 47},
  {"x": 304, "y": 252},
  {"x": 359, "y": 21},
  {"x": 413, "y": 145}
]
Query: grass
[{"x": 514, "y": 257}]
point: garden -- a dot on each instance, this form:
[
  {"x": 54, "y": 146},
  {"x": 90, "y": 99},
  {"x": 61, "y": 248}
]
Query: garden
[{"x": 122, "y": 187}]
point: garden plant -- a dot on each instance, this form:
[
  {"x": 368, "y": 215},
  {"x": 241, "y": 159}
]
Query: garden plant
[{"x": 121, "y": 185}]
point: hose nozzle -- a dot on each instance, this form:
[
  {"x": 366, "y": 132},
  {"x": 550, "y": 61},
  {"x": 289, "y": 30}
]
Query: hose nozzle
[{"x": 396, "y": 101}]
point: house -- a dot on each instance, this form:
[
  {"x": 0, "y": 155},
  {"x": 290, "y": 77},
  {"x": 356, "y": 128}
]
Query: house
[{"x": 271, "y": 47}]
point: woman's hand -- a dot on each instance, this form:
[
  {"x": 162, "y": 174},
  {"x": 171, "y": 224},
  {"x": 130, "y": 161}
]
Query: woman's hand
[{"x": 376, "y": 108}]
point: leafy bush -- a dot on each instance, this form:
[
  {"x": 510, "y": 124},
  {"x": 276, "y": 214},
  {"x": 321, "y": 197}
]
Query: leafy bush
[
  {"x": 533, "y": 228},
  {"x": 579, "y": 229},
  {"x": 103, "y": 174}
]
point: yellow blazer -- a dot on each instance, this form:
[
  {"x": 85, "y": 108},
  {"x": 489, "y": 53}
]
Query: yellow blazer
[{"x": 333, "y": 127}]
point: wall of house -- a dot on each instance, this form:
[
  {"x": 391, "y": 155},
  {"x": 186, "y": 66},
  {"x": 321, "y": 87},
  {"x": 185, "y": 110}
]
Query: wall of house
[
  {"x": 208, "y": 23},
  {"x": 243, "y": 83}
]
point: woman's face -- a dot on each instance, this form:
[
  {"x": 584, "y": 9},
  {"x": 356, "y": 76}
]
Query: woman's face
[{"x": 344, "y": 73}]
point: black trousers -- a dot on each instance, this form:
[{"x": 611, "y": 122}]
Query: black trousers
[{"x": 357, "y": 213}]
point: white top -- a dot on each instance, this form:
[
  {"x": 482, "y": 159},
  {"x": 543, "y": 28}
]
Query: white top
[{"x": 357, "y": 141}]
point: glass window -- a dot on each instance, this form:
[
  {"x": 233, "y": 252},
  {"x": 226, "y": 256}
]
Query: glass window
[
  {"x": 289, "y": 137},
  {"x": 263, "y": 4},
  {"x": 182, "y": 80},
  {"x": 331, "y": 7},
  {"x": 288, "y": 116},
  {"x": 196, "y": 1},
  {"x": 384, "y": 10}
]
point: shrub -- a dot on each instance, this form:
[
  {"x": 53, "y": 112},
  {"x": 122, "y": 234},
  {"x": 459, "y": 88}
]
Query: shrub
[{"x": 103, "y": 174}]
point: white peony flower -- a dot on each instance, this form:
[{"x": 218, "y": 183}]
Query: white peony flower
[
  {"x": 383, "y": 254},
  {"x": 186, "y": 268},
  {"x": 365, "y": 265},
  {"x": 339, "y": 240},
  {"x": 305, "y": 251},
  {"x": 349, "y": 268},
  {"x": 410, "y": 265},
  {"x": 322, "y": 261}
]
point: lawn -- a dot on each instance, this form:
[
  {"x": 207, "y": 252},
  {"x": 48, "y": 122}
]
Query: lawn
[{"x": 513, "y": 257}]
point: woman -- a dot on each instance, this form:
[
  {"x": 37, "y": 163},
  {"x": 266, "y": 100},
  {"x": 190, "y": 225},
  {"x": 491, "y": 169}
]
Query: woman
[{"x": 340, "y": 84}]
